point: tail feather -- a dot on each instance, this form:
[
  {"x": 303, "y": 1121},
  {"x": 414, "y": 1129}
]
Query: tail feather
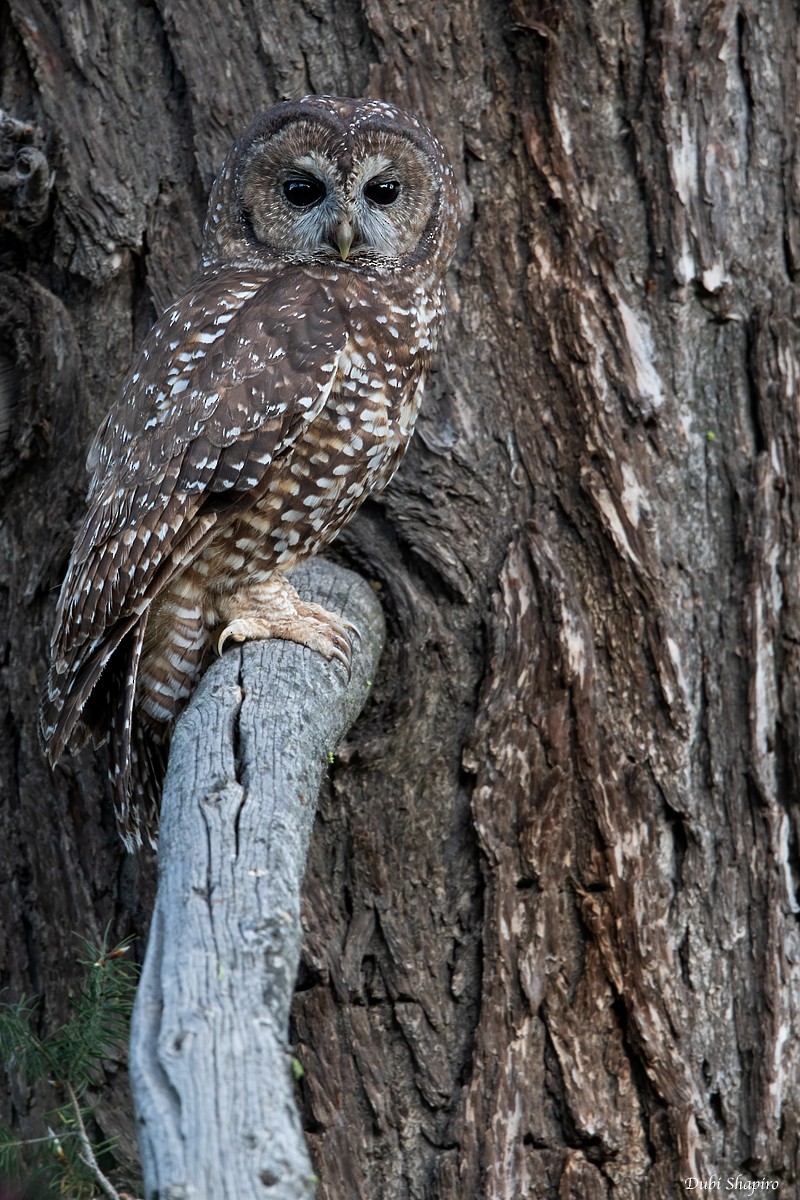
[
  {"x": 101, "y": 702},
  {"x": 127, "y": 690},
  {"x": 123, "y": 681},
  {"x": 136, "y": 757},
  {"x": 121, "y": 691},
  {"x": 138, "y": 813},
  {"x": 68, "y": 692}
]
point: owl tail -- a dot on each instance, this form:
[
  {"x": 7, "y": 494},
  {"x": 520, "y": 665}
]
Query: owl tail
[
  {"x": 101, "y": 704},
  {"x": 128, "y": 696},
  {"x": 138, "y": 809},
  {"x": 137, "y": 757},
  {"x": 74, "y": 681}
]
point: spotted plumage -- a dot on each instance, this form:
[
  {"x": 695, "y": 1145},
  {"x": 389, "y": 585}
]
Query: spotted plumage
[{"x": 264, "y": 406}]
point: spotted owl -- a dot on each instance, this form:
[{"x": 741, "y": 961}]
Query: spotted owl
[{"x": 265, "y": 405}]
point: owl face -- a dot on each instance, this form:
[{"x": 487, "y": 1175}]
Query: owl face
[
  {"x": 330, "y": 179},
  {"x": 309, "y": 192}
]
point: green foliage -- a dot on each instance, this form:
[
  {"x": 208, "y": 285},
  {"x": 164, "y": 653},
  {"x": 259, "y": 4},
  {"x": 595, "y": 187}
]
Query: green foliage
[{"x": 69, "y": 1059}]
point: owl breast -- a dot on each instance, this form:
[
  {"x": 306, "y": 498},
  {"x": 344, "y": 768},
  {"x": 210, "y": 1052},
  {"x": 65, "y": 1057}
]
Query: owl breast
[{"x": 350, "y": 451}]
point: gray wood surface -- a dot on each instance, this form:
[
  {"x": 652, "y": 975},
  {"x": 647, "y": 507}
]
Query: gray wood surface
[{"x": 211, "y": 1067}]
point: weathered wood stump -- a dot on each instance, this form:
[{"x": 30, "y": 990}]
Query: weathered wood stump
[{"x": 210, "y": 1064}]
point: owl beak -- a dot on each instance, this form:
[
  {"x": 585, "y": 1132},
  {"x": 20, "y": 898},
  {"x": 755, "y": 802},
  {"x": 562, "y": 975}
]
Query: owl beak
[{"x": 344, "y": 238}]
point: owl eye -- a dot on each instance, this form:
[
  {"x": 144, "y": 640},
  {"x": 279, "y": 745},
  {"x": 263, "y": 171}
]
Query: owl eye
[
  {"x": 304, "y": 192},
  {"x": 382, "y": 191}
]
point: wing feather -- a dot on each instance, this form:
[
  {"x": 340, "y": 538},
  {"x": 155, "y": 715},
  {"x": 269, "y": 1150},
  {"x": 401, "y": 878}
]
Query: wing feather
[{"x": 229, "y": 378}]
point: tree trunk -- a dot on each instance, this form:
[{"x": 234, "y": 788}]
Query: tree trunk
[{"x": 550, "y": 914}]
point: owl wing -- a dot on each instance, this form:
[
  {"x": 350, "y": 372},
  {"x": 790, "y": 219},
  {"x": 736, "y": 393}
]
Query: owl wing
[{"x": 240, "y": 368}]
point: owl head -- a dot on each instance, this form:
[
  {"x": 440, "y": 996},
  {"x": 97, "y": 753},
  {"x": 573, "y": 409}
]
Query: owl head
[{"x": 356, "y": 182}]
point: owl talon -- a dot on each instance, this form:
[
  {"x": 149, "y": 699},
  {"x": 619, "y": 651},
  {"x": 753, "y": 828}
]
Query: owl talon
[
  {"x": 341, "y": 655},
  {"x": 340, "y": 646},
  {"x": 329, "y": 636},
  {"x": 352, "y": 630},
  {"x": 238, "y": 631}
]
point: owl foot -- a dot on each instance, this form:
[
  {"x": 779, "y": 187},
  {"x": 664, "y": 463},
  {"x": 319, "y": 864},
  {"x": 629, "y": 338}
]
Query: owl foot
[{"x": 293, "y": 620}]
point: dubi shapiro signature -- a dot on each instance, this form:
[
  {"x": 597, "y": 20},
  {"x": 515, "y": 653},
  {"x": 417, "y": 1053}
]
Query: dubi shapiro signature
[{"x": 733, "y": 1183}]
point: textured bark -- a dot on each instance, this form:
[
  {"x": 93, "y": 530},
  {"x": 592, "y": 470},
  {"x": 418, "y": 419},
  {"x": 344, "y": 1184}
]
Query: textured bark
[
  {"x": 551, "y": 939},
  {"x": 211, "y": 1069}
]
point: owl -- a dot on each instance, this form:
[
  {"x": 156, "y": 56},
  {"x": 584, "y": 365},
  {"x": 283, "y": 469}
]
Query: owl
[{"x": 265, "y": 405}]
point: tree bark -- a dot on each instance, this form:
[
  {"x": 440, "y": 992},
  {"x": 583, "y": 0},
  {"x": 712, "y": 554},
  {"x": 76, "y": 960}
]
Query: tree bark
[
  {"x": 551, "y": 911},
  {"x": 211, "y": 1070}
]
